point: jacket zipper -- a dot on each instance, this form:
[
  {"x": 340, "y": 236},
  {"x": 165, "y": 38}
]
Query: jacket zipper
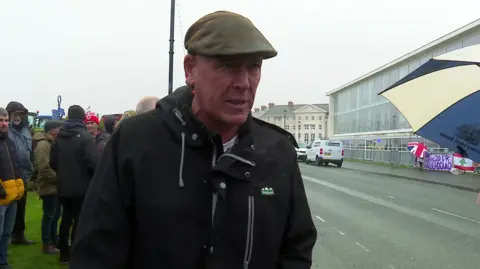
[
  {"x": 250, "y": 226},
  {"x": 10, "y": 159}
]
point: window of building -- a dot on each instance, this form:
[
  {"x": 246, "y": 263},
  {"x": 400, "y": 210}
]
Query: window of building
[
  {"x": 299, "y": 136},
  {"x": 319, "y": 136},
  {"x": 287, "y": 127},
  {"x": 312, "y": 137},
  {"x": 319, "y": 127},
  {"x": 293, "y": 127},
  {"x": 278, "y": 118},
  {"x": 312, "y": 126},
  {"x": 313, "y": 117},
  {"x": 305, "y": 126},
  {"x": 305, "y": 138},
  {"x": 319, "y": 117},
  {"x": 299, "y": 127},
  {"x": 299, "y": 117}
]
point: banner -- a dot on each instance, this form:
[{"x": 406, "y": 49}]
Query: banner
[{"x": 439, "y": 162}]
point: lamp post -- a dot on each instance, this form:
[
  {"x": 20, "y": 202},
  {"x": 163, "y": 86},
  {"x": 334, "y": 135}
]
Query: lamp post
[{"x": 172, "y": 41}]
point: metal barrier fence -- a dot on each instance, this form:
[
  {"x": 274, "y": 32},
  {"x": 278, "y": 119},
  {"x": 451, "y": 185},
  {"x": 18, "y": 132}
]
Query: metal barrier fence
[{"x": 397, "y": 157}]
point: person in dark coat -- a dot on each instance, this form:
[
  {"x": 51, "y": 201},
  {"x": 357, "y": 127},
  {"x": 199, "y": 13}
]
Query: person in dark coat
[
  {"x": 11, "y": 187},
  {"x": 109, "y": 124},
  {"x": 93, "y": 126},
  {"x": 74, "y": 158},
  {"x": 198, "y": 183},
  {"x": 20, "y": 134}
]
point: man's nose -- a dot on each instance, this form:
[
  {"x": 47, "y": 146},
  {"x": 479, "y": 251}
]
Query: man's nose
[{"x": 242, "y": 79}]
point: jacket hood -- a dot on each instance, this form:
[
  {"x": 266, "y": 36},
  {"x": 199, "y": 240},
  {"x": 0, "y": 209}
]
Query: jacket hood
[
  {"x": 41, "y": 136},
  {"x": 72, "y": 128}
]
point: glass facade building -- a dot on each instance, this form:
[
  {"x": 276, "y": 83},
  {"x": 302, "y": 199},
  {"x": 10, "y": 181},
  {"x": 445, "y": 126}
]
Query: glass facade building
[{"x": 365, "y": 121}]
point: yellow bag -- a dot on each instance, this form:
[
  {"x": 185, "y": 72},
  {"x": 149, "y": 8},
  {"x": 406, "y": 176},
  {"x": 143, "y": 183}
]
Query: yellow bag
[
  {"x": 14, "y": 189},
  {"x": 20, "y": 188}
]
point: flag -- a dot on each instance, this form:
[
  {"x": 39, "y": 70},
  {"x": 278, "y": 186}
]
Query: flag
[{"x": 462, "y": 163}]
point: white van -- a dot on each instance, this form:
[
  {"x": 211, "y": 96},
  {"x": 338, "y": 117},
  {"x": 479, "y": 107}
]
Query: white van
[{"x": 325, "y": 152}]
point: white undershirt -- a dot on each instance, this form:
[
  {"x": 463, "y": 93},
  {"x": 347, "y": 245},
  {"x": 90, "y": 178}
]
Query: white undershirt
[{"x": 229, "y": 144}]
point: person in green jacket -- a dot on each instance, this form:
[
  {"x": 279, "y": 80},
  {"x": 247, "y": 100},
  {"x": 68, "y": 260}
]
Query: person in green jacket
[{"x": 47, "y": 185}]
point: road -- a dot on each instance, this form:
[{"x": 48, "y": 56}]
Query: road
[{"x": 374, "y": 221}]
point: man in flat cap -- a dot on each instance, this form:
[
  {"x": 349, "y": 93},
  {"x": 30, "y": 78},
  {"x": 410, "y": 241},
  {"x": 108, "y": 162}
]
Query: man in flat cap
[
  {"x": 197, "y": 182},
  {"x": 47, "y": 184}
]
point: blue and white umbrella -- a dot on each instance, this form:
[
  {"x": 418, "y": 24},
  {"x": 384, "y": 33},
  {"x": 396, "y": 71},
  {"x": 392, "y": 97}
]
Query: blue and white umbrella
[{"x": 441, "y": 100}]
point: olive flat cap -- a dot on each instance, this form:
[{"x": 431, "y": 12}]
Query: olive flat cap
[
  {"x": 52, "y": 124},
  {"x": 224, "y": 33}
]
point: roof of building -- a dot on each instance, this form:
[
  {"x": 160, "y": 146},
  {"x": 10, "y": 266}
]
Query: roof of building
[
  {"x": 285, "y": 110},
  {"x": 258, "y": 114},
  {"x": 411, "y": 54}
]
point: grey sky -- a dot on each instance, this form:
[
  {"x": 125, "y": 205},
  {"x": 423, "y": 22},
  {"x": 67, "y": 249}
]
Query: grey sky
[{"x": 108, "y": 54}]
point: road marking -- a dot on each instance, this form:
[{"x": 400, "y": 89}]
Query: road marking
[
  {"x": 391, "y": 197},
  {"x": 455, "y": 215},
  {"x": 338, "y": 231},
  {"x": 362, "y": 246},
  {"x": 388, "y": 203},
  {"x": 319, "y": 218},
  {"x": 391, "y": 267}
]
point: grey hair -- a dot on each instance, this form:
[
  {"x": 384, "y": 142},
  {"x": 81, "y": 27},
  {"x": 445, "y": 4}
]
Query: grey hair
[
  {"x": 146, "y": 104},
  {"x": 3, "y": 112}
]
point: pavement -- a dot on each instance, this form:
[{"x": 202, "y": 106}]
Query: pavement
[
  {"x": 469, "y": 182},
  {"x": 370, "y": 221}
]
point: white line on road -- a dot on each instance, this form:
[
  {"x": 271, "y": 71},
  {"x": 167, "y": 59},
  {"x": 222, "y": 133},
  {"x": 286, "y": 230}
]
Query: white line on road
[
  {"x": 391, "y": 197},
  {"x": 319, "y": 218},
  {"x": 362, "y": 246},
  {"x": 338, "y": 231},
  {"x": 391, "y": 267},
  {"x": 455, "y": 215},
  {"x": 388, "y": 203}
]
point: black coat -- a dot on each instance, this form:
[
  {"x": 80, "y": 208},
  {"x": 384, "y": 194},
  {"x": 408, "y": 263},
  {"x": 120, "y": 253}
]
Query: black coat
[
  {"x": 151, "y": 201},
  {"x": 74, "y": 158},
  {"x": 9, "y": 164}
]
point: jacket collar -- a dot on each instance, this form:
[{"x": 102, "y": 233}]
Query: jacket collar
[{"x": 180, "y": 119}]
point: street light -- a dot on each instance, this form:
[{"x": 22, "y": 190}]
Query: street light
[{"x": 172, "y": 41}]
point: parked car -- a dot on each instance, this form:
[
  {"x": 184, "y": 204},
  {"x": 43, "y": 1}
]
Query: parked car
[
  {"x": 301, "y": 151},
  {"x": 325, "y": 152}
]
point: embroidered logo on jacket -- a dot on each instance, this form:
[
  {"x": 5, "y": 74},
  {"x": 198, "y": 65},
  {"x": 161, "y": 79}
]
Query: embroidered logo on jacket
[{"x": 268, "y": 191}]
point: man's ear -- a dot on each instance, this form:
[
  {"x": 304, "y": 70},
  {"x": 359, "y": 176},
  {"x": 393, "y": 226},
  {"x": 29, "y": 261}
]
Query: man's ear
[{"x": 188, "y": 66}]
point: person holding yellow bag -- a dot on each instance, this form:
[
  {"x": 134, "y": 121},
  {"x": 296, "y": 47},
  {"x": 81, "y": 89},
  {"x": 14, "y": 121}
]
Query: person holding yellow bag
[{"x": 11, "y": 187}]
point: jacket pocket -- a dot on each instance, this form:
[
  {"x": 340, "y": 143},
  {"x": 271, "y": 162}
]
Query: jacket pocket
[
  {"x": 10, "y": 187},
  {"x": 250, "y": 230}
]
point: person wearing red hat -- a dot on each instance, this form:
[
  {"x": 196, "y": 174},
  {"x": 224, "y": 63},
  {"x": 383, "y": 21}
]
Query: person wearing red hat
[{"x": 93, "y": 126}]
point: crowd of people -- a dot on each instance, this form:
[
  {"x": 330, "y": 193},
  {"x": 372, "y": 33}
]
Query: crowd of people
[
  {"x": 61, "y": 185},
  {"x": 195, "y": 183}
]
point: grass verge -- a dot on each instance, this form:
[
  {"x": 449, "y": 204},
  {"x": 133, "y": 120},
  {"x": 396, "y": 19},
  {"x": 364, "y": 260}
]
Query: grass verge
[{"x": 28, "y": 257}]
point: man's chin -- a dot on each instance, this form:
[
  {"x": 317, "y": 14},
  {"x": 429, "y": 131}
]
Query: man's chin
[{"x": 235, "y": 119}]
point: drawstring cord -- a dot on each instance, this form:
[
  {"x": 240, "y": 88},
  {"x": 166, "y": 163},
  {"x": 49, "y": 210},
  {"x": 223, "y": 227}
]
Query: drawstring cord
[
  {"x": 179, "y": 116},
  {"x": 181, "y": 183}
]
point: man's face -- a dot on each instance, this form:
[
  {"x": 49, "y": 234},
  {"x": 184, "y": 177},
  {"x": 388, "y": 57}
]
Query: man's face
[
  {"x": 4, "y": 124},
  {"x": 54, "y": 132},
  {"x": 92, "y": 127},
  {"x": 225, "y": 87},
  {"x": 17, "y": 117}
]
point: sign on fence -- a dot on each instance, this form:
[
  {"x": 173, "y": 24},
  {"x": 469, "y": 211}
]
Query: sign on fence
[{"x": 439, "y": 162}]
